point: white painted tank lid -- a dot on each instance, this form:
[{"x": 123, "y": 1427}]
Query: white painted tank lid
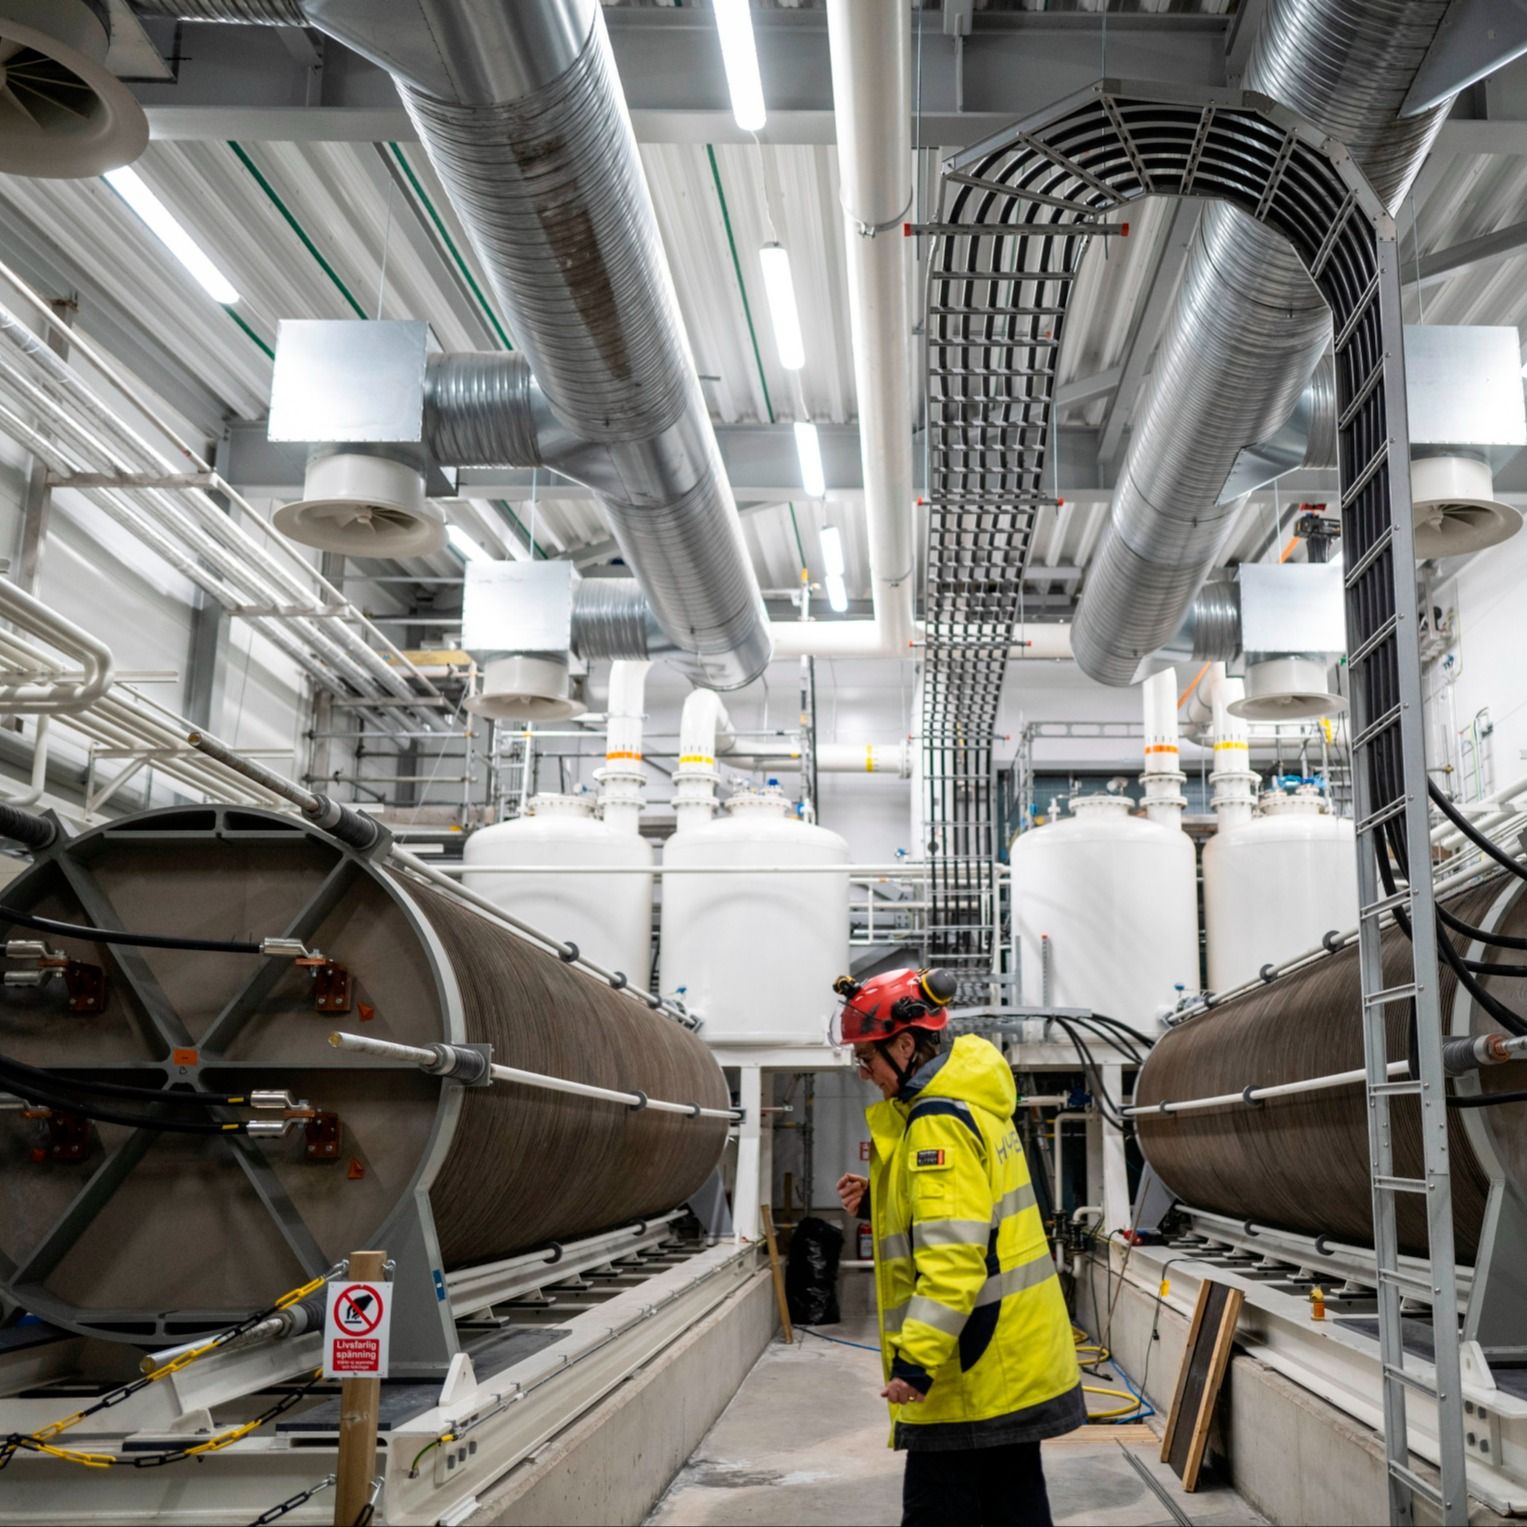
[{"x": 550, "y": 804}]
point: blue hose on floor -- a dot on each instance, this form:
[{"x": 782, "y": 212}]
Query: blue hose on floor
[{"x": 862, "y": 1346}]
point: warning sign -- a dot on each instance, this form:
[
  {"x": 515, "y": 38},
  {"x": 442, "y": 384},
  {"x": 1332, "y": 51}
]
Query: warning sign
[{"x": 355, "y": 1330}]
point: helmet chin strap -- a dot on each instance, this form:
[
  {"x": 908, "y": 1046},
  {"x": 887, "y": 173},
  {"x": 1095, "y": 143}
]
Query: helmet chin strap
[{"x": 903, "y": 1073}]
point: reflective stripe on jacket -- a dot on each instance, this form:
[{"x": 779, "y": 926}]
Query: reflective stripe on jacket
[{"x": 971, "y": 1311}]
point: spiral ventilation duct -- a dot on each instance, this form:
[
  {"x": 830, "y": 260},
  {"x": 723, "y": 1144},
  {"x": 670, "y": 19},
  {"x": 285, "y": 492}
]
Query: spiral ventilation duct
[
  {"x": 1247, "y": 327},
  {"x": 522, "y": 113}
]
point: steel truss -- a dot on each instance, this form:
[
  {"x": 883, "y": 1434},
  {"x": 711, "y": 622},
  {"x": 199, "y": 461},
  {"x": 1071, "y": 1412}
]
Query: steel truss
[{"x": 1016, "y": 214}]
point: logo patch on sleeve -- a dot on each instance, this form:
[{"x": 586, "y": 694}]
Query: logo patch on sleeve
[{"x": 929, "y": 1159}]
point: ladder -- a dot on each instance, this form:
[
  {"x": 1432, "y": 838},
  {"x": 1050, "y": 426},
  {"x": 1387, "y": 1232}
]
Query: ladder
[{"x": 1390, "y": 805}]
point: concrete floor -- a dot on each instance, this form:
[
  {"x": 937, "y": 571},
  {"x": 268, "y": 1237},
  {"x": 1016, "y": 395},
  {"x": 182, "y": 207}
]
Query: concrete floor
[{"x": 805, "y": 1442}]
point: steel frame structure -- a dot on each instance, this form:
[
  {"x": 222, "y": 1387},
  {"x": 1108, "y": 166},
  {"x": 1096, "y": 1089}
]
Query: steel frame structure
[{"x": 1016, "y": 214}]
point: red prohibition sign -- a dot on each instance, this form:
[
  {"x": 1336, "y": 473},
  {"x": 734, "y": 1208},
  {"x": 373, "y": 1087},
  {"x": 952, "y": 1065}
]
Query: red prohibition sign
[{"x": 359, "y": 1316}]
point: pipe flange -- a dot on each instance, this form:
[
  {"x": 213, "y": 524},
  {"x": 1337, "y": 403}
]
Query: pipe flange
[
  {"x": 1332, "y": 941},
  {"x": 694, "y": 1110},
  {"x": 556, "y": 1252},
  {"x": 618, "y": 980},
  {"x": 1269, "y": 972},
  {"x": 641, "y": 1100},
  {"x": 1247, "y": 1098},
  {"x": 655, "y": 1002},
  {"x": 1323, "y": 1244},
  {"x": 1248, "y": 1228},
  {"x": 568, "y": 953}
]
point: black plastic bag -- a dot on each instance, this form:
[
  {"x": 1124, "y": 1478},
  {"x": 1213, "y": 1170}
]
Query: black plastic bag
[{"x": 811, "y": 1274}]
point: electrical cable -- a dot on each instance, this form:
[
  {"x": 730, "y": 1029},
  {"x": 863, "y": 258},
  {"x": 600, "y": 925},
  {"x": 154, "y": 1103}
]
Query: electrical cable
[
  {"x": 1472, "y": 833},
  {"x": 1486, "y": 1099},
  {"x": 839, "y": 1340},
  {"x": 119, "y": 1089},
  {"x": 1106, "y": 1105},
  {"x": 118, "y": 936},
  {"x": 66, "y": 1102},
  {"x": 1499, "y": 940}
]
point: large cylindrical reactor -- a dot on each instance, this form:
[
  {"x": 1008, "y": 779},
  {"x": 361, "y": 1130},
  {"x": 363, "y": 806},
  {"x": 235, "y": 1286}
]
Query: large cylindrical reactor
[
  {"x": 126, "y": 1230},
  {"x": 1275, "y": 885},
  {"x": 1106, "y": 911},
  {"x": 756, "y": 954},
  {"x": 1301, "y": 1160},
  {"x": 609, "y": 917}
]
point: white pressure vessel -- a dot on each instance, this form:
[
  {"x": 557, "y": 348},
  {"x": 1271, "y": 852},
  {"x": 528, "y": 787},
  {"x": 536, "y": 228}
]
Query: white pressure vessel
[
  {"x": 755, "y": 954},
  {"x": 1276, "y": 884},
  {"x": 1105, "y": 905},
  {"x": 609, "y": 917}
]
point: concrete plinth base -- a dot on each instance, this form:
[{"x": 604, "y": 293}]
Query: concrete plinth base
[
  {"x": 614, "y": 1464},
  {"x": 1292, "y": 1455}
]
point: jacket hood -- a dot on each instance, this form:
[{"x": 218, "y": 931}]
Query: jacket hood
[{"x": 972, "y": 1070}]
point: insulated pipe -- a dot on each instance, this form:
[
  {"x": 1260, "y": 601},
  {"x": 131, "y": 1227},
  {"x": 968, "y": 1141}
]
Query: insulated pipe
[
  {"x": 889, "y": 758},
  {"x": 61, "y": 697},
  {"x": 872, "y": 110},
  {"x": 1162, "y": 776},
  {"x": 1234, "y": 781},
  {"x": 622, "y": 778},
  {"x": 1248, "y": 326},
  {"x": 704, "y": 727},
  {"x": 39, "y": 779}
]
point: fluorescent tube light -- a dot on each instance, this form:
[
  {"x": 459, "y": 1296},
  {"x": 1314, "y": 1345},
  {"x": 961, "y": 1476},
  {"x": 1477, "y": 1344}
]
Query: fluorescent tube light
[
  {"x": 739, "y": 56},
  {"x": 130, "y": 186},
  {"x": 832, "y": 551},
  {"x": 780, "y": 290},
  {"x": 837, "y": 593},
  {"x": 465, "y": 544},
  {"x": 809, "y": 450}
]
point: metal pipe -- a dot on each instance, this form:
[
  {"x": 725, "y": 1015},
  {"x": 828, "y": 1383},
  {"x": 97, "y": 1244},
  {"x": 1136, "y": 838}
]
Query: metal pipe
[
  {"x": 851, "y": 870},
  {"x": 430, "y": 1060},
  {"x": 1248, "y": 326},
  {"x": 1256, "y": 1094}
]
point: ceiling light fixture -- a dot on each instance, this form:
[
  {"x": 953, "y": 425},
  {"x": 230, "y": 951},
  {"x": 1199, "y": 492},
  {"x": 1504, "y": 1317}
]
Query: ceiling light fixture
[
  {"x": 808, "y": 449},
  {"x": 162, "y": 223},
  {"x": 779, "y": 287},
  {"x": 739, "y": 56}
]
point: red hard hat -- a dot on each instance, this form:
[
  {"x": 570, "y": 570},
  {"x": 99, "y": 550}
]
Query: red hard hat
[{"x": 885, "y": 1005}]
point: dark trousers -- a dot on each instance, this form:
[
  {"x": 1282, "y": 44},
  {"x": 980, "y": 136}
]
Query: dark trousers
[{"x": 976, "y": 1487}]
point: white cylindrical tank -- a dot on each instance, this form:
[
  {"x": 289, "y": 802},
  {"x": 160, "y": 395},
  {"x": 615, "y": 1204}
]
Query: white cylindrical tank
[
  {"x": 609, "y": 917},
  {"x": 1275, "y": 885},
  {"x": 1109, "y": 902},
  {"x": 755, "y": 955}
]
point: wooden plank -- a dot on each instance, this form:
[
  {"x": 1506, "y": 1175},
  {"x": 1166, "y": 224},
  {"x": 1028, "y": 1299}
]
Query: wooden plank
[
  {"x": 766, "y": 1214},
  {"x": 1170, "y": 1434},
  {"x": 1205, "y": 1359}
]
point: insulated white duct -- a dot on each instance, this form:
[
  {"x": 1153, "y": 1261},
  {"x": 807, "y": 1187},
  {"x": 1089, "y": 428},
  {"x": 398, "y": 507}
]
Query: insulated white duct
[
  {"x": 1248, "y": 326},
  {"x": 621, "y": 780}
]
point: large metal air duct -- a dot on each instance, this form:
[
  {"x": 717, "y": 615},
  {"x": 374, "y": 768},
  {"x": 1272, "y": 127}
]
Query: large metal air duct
[
  {"x": 521, "y": 110},
  {"x": 1247, "y": 327}
]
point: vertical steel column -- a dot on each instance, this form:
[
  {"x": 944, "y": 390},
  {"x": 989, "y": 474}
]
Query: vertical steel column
[{"x": 37, "y": 506}]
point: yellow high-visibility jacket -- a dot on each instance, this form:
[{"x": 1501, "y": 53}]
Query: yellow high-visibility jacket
[{"x": 971, "y": 1311}]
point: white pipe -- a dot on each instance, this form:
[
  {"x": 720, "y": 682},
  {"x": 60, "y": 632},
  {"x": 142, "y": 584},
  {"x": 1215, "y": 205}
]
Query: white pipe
[
  {"x": 891, "y": 758},
  {"x": 622, "y": 778},
  {"x": 428, "y": 1060},
  {"x": 704, "y": 729},
  {"x": 63, "y": 697},
  {"x": 1235, "y": 784},
  {"x": 872, "y": 99},
  {"x": 1162, "y": 775},
  {"x": 1048, "y": 641},
  {"x": 39, "y": 780},
  {"x": 908, "y": 870},
  {"x": 1257, "y": 1094}
]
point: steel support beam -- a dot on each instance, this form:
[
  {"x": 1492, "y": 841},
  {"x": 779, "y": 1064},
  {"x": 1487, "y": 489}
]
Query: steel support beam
[
  {"x": 244, "y": 82},
  {"x": 37, "y": 504}
]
